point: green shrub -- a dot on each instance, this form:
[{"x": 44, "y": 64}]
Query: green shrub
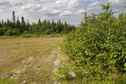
[
  {"x": 12, "y": 31},
  {"x": 3, "y": 30},
  {"x": 98, "y": 47}
]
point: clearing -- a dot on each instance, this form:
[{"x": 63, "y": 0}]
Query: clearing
[{"x": 30, "y": 60}]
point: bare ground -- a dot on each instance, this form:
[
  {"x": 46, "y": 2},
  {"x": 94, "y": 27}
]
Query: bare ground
[{"x": 30, "y": 60}]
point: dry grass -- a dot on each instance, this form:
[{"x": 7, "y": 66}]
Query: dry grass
[{"x": 31, "y": 59}]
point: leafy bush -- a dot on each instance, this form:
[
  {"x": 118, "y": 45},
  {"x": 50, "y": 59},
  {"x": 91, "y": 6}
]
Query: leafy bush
[
  {"x": 12, "y": 31},
  {"x": 2, "y": 31},
  {"x": 98, "y": 47}
]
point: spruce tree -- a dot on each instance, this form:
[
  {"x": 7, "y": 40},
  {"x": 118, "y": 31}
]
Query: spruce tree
[{"x": 13, "y": 16}]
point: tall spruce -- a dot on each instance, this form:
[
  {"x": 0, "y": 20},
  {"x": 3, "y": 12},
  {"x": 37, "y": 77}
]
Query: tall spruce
[{"x": 13, "y": 16}]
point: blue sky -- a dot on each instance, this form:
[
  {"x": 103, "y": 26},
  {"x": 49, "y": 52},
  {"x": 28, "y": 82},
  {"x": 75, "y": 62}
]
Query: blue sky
[{"x": 68, "y": 10}]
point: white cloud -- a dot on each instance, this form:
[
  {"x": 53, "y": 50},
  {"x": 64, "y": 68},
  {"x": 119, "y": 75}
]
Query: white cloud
[
  {"x": 66, "y": 13},
  {"x": 33, "y": 8},
  {"x": 118, "y": 5},
  {"x": 114, "y": 1}
]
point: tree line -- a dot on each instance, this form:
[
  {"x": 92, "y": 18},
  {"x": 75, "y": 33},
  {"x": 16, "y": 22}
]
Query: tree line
[{"x": 18, "y": 26}]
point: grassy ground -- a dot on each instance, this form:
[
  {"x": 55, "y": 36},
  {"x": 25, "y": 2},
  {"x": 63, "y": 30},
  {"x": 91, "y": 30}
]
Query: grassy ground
[
  {"x": 33, "y": 61},
  {"x": 29, "y": 60},
  {"x": 7, "y": 81}
]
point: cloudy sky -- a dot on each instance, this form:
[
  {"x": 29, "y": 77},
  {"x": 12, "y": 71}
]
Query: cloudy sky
[{"x": 69, "y": 10}]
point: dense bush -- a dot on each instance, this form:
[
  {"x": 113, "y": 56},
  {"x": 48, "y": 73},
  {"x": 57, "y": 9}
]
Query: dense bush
[
  {"x": 12, "y": 31},
  {"x": 98, "y": 47},
  {"x": 3, "y": 30}
]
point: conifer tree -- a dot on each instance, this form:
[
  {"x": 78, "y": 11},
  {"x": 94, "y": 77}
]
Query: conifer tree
[{"x": 13, "y": 16}]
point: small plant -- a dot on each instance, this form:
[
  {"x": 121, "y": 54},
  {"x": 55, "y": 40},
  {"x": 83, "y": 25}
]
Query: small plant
[{"x": 7, "y": 81}]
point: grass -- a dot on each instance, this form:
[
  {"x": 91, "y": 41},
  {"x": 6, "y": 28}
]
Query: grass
[
  {"x": 31, "y": 59},
  {"x": 7, "y": 81}
]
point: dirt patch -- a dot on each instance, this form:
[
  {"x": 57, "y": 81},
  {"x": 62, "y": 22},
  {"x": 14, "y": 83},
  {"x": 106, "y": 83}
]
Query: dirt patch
[{"x": 30, "y": 61}]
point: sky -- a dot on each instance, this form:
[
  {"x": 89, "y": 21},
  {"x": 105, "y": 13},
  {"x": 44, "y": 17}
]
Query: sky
[{"x": 66, "y": 10}]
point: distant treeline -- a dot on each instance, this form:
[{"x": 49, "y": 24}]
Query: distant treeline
[{"x": 19, "y": 26}]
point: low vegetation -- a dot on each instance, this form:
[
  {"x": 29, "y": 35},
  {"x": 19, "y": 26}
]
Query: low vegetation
[
  {"x": 98, "y": 49},
  {"x": 7, "y": 81}
]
